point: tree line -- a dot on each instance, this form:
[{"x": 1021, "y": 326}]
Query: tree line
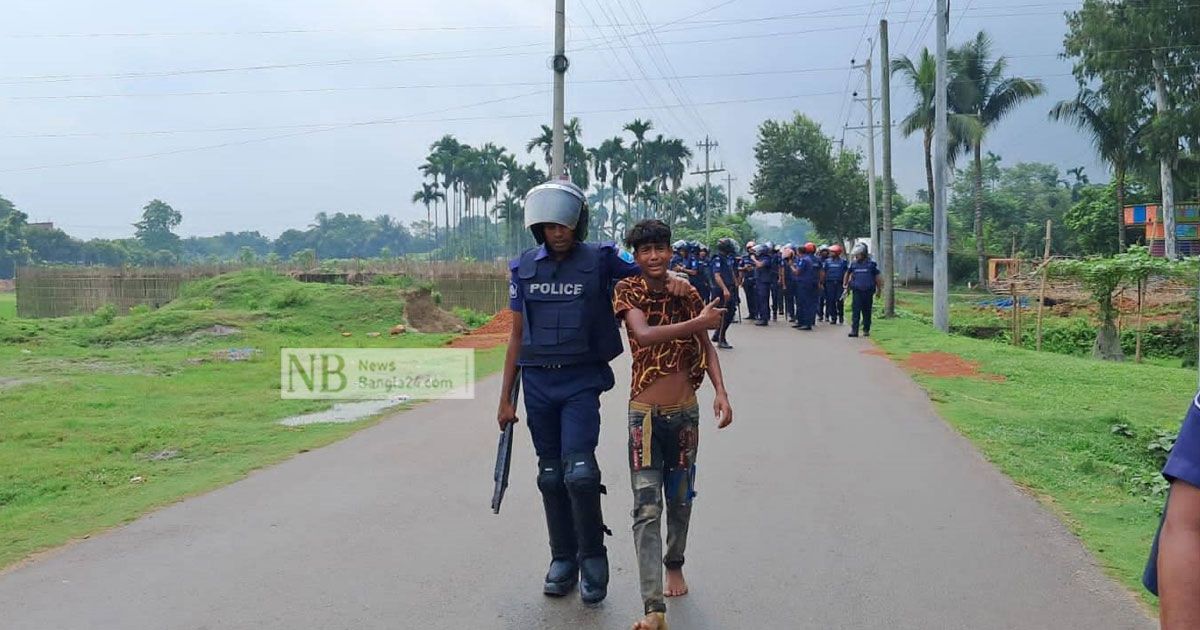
[{"x": 472, "y": 195}]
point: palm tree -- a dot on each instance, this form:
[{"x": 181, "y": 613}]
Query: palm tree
[
  {"x": 427, "y": 195},
  {"x": 981, "y": 90},
  {"x": 921, "y": 77},
  {"x": 545, "y": 141},
  {"x": 1116, "y": 128},
  {"x": 617, "y": 158},
  {"x": 638, "y": 128},
  {"x": 432, "y": 169}
]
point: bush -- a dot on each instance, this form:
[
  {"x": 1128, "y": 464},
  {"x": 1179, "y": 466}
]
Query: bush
[
  {"x": 292, "y": 297},
  {"x": 963, "y": 267},
  {"x": 103, "y": 316},
  {"x": 140, "y": 309},
  {"x": 472, "y": 318}
]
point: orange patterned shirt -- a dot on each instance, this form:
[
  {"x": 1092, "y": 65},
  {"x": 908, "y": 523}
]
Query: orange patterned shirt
[{"x": 661, "y": 308}]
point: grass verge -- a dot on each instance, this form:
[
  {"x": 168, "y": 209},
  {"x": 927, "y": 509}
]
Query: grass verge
[
  {"x": 8, "y": 305},
  {"x": 89, "y": 404},
  {"x": 1073, "y": 431}
]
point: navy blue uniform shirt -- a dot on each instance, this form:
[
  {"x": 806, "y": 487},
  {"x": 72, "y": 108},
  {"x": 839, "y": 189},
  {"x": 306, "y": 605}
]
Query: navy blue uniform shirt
[
  {"x": 835, "y": 270},
  {"x": 618, "y": 262},
  {"x": 862, "y": 275}
]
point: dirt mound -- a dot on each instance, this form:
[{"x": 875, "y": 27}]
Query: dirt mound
[
  {"x": 492, "y": 334},
  {"x": 501, "y": 323},
  {"x": 424, "y": 315},
  {"x": 946, "y": 365}
]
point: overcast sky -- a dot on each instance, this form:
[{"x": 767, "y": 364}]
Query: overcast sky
[{"x": 258, "y": 115}]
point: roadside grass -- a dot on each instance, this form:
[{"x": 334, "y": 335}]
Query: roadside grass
[
  {"x": 8, "y": 305},
  {"x": 1050, "y": 426},
  {"x": 104, "y": 418}
]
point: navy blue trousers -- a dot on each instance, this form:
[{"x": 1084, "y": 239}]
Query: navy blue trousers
[
  {"x": 764, "y": 300},
  {"x": 835, "y": 306},
  {"x": 563, "y": 407}
]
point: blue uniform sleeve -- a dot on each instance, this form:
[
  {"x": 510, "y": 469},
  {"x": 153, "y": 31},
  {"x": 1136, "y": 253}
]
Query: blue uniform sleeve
[
  {"x": 514, "y": 289},
  {"x": 874, "y": 268},
  {"x": 620, "y": 262},
  {"x": 1184, "y": 462}
]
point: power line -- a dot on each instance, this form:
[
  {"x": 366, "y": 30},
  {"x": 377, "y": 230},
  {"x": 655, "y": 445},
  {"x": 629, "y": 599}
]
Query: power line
[{"x": 390, "y": 121}]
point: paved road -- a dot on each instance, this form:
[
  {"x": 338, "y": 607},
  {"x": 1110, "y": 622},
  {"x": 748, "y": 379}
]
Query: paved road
[{"x": 862, "y": 511}]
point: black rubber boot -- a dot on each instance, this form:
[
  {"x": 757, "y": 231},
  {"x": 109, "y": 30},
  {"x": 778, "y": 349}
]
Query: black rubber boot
[
  {"x": 564, "y": 567},
  {"x": 581, "y": 475}
]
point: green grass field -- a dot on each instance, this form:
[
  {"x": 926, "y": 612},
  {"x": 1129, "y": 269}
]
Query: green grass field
[
  {"x": 8, "y": 305},
  {"x": 1050, "y": 426},
  {"x": 86, "y": 403}
]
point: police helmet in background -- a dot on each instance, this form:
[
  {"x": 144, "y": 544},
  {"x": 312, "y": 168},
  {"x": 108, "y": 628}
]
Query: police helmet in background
[
  {"x": 762, "y": 249},
  {"x": 693, "y": 247},
  {"x": 809, "y": 248},
  {"x": 726, "y": 246},
  {"x": 560, "y": 202},
  {"x": 787, "y": 251},
  {"x": 860, "y": 249},
  {"x": 703, "y": 247},
  {"x": 678, "y": 245},
  {"x": 836, "y": 249},
  {"x": 822, "y": 248},
  {"x": 770, "y": 245}
]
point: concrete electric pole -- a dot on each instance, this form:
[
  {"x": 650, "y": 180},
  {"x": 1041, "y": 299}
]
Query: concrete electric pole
[
  {"x": 941, "y": 241},
  {"x": 870, "y": 103},
  {"x": 887, "y": 252},
  {"x": 559, "y": 64},
  {"x": 729, "y": 179},
  {"x": 707, "y": 145}
]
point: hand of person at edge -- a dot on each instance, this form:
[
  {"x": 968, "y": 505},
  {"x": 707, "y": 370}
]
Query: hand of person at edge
[
  {"x": 506, "y": 415},
  {"x": 722, "y": 410}
]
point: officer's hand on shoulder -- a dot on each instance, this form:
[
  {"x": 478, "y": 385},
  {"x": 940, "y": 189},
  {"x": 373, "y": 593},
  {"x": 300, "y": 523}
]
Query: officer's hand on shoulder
[{"x": 678, "y": 285}]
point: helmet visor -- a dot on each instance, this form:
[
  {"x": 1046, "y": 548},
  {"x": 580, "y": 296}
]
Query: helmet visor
[{"x": 550, "y": 203}]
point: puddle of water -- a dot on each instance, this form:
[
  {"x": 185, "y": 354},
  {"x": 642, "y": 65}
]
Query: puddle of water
[{"x": 344, "y": 412}]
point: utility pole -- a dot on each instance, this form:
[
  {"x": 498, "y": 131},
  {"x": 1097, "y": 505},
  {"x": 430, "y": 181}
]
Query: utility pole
[
  {"x": 870, "y": 102},
  {"x": 729, "y": 178},
  {"x": 941, "y": 241},
  {"x": 707, "y": 145},
  {"x": 886, "y": 247},
  {"x": 559, "y": 64}
]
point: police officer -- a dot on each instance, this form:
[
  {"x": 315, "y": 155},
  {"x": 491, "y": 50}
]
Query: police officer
[
  {"x": 746, "y": 267},
  {"x": 723, "y": 266},
  {"x": 564, "y": 334},
  {"x": 786, "y": 255},
  {"x": 766, "y": 276},
  {"x": 704, "y": 274},
  {"x": 822, "y": 258},
  {"x": 862, "y": 278},
  {"x": 835, "y": 273},
  {"x": 679, "y": 259},
  {"x": 807, "y": 273},
  {"x": 777, "y": 284}
]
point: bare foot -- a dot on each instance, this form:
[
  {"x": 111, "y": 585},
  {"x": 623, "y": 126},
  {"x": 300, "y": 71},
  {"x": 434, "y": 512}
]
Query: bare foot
[
  {"x": 652, "y": 621},
  {"x": 676, "y": 585}
]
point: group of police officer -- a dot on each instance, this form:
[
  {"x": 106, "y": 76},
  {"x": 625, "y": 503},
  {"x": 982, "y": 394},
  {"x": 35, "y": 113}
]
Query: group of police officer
[{"x": 805, "y": 283}]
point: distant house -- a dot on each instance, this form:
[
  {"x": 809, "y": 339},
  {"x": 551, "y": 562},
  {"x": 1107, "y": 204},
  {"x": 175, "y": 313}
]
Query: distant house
[
  {"x": 45, "y": 225},
  {"x": 913, "y": 252}
]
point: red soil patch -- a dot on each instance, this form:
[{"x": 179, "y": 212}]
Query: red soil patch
[
  {"x": 875, "y": 352},
  {"x": 946, "y": 365},
  {"x": 492, "y": 334}
]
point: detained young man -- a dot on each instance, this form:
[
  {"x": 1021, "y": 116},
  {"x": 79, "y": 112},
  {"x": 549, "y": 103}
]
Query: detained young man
[{"x": 671, "y": 354}]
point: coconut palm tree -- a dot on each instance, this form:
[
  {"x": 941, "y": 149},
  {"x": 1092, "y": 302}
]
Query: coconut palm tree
[
  {"x": 921, "y": 78},
  {"x": 1116, "y": 126},
  {"x": 980, "y": 89}
]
